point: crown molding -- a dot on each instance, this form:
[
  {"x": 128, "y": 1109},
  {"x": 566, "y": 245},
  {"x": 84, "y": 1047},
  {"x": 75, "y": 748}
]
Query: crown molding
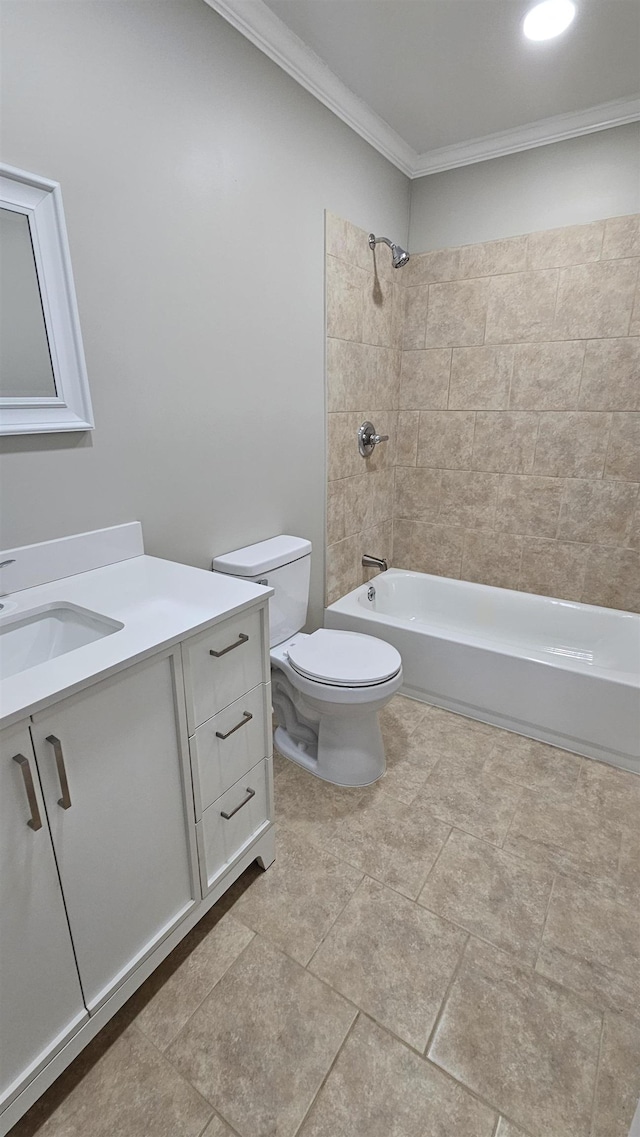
[
  {"x": 260, "y": 25},
  {"x": 263, "y": 28},
  {"x": 554, "y": 129}
]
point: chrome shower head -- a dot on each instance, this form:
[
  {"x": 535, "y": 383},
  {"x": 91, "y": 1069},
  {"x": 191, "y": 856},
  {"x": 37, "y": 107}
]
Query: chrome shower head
[{"x": 399, "y": 256}]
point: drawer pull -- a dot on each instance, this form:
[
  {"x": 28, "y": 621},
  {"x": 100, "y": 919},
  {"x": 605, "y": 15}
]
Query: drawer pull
[
  {"x": 246, "y": 717},
  {"x": 65, "y": 800},
  {"x": 242, "y": 639},
  {"x": 250, "y": 793},
  {"x": 34, "y": 821}
]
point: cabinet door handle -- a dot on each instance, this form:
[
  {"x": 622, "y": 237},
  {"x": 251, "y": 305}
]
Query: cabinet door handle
[
  {"x": 242, "y": 639},
  {"x": 246, "y": 717},
  {"x": 65, "y": 800},
  {"x": 34, "y": 821},
  {"x": 250, "y": 793}
]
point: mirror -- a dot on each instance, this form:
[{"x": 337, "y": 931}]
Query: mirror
[{"x": 43, "y": 381}]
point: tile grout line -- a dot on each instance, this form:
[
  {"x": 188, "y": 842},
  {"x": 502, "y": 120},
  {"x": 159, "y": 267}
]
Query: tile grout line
[
  {"x": 596, "y": 1081},
  {"x": 445, "y": 998},
  {"x": 313, "y": 1101}
]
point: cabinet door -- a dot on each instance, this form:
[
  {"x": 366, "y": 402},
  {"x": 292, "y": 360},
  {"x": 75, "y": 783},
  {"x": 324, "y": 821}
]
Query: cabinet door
[
  {"x": 40, "y": 998},
  {"x": 112, "y": 761}
]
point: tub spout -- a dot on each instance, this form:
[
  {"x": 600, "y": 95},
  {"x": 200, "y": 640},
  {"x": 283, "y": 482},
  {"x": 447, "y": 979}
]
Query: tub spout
[{"x": 374, "y": 562}]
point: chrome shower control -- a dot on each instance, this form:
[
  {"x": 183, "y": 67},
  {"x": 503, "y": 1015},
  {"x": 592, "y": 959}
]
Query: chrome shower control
[{"x": 368, "y": 439}]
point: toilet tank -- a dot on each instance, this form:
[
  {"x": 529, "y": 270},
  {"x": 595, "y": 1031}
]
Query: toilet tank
[{"x": 284, "y": 563}]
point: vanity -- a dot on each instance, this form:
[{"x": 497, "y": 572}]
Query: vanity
[{"x": 136, "y": 774}]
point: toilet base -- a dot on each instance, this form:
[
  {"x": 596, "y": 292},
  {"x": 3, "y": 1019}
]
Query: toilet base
[{"x": 348, "y": 753}]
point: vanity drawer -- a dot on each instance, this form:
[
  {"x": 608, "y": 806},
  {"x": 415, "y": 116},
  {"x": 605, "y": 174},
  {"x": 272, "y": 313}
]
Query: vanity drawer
[
  {"x": 221, "y": 664},
  {"x": 217, "y": 762},
  {"x": 220, "y": 838}
]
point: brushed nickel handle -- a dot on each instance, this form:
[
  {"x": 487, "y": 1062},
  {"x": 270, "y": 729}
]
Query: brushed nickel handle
[
  {"x": 34, "y": 821},
  {"x": 250, "y": 793},
  {"x": 65, "y": 800},
  {"x": 246, "y": 717},
  {"x": 242, "y": 639}
]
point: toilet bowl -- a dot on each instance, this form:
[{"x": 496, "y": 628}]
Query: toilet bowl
[{"x": 327, "y": 687}]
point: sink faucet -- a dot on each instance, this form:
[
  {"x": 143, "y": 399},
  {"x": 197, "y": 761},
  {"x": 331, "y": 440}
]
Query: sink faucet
[
  {"x": 370, "y": 562},
  {"x": 3, "y": 564}
]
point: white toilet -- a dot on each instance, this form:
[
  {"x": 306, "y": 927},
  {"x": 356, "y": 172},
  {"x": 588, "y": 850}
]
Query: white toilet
[{"x": 327, "y": 687}]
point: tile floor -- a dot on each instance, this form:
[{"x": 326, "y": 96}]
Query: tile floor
[{"x": 453, "y": 952}]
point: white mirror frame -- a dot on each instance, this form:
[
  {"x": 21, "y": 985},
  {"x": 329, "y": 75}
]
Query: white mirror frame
[{"x": 70, "y": 409}]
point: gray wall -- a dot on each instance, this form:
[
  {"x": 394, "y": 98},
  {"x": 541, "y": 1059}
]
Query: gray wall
[
  {"x": 195, "y": 175},
  {"x": 567, "y": 183}
]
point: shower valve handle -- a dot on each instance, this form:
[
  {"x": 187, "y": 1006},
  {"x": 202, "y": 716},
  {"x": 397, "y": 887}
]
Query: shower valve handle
[{"x": 368, "y": 439}]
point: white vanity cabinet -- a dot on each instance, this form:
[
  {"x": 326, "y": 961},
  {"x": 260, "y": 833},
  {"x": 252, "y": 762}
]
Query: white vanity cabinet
[
  {"x": 41, "y": 1002},
  {"x": 112, "y": 765}
]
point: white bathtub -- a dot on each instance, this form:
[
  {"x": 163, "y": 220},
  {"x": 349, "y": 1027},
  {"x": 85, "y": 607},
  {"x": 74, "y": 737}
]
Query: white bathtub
[{"x": 566, "y": 673}]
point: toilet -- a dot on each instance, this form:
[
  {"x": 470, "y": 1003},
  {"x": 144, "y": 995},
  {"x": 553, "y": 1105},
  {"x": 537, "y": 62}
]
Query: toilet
[{"x": 327, "y": 687}]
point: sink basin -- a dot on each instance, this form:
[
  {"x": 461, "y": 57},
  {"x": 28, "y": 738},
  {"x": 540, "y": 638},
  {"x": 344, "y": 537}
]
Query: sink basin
[{"x": 44, "y": 633}]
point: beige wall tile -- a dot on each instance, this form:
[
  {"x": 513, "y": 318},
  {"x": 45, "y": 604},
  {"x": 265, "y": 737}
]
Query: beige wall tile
[
  {"x": 345, "y": 291},
  {"x": 407, "y": 440},
  {"x": 573, "y": 245},
  {"x": 618, "y": 1086},
  {"x": 368, "y": 500},
  {"x": 505, "y": 441},
  {"x": 546, "y": 376},
  {"x": 427, "y": 268},
  {"x": 343, "y": 458},
  {"x": 492, "y": 558},
  {"x": 445, "y": 439},
  {"x": 612, "y": 578},
  {"x": 480, "y": 377},
  {"x": 457, "y": 313},
  {"x": 595, "y": 300},
  {"x": 623, "y": 455},
  {"x": 529, "y": 505},
  {"x": 572, "y": 445},
  {"x": 414, "y": 316},
  {"x": 343, "y": 568},
  {"x": 597, "y": 512},
  {"x": 493, "y": 257},
  {"x": 553, "y": 568},
  {"x": 361, "y": 375},
  {"x": 611, "y": 375},
  {"x": 424, "y": 380},
  {"x": 621, "y": 237},
  {"x": 402, "y": 531},
  {"x": 468, "y": 499},
  {"x": 378, "y": 311},
  {"x": 521, "y": 306},
  {"x": 434, "y": 549},
  {"x": 634, "y": 326},
  {"x": 335, "y": 236},
  {"x": 335, "y": 512},
  {"x": 417, "y": 493}
]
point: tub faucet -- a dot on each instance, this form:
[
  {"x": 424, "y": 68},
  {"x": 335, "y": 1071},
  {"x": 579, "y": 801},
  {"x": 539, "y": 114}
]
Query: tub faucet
[{"x": 374, "y": 562}]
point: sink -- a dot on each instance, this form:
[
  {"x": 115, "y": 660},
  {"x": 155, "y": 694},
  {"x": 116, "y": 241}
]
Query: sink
[{"x": 44, "y": 633}]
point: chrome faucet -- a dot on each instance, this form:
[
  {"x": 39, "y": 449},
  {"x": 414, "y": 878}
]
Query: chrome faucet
[{"x": 374, "y": 562}]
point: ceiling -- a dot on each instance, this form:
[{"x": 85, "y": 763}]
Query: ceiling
[{"x": 438, "y": 75}]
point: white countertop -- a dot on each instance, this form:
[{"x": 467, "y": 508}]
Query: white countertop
[{"x": 159, "y": 602}]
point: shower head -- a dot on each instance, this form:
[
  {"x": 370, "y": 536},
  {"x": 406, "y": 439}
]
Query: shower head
[{"x": 399, "y": 256}]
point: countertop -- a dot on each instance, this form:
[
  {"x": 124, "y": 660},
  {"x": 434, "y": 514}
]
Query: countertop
[{"x": 159, "y": 602}]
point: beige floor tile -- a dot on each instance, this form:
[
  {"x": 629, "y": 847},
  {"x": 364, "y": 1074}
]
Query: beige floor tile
[
  {"x": 535, "y": 765},
  {"x": 628, "y": 890},
  {"x": 442, "y": 734},
  {"x": 612, "y": 794},
  {"x": 392, "y": 958},
  {"x": 572, "y": 841},
  {"x": 295, "y": 903},
  {"x": 464, "y": 797},
  {"x": 218, "y": 1128},
  {"x": 130, "y": 1090},
  {"x": 169, "y": 998},
  {"x": 488, "y": 892},
  {"x": 618, "y": 1087},
  {"x": 591, "y": 944},
  {"x": 378, "y": 1088},
  {"x": 403, "y": 779},
  {"x": 260, "y": 1045},
  {"x": 400, "y": 717},
  {"x": 522, "y": 1043},
  {"x": 508, "y": 1129}
]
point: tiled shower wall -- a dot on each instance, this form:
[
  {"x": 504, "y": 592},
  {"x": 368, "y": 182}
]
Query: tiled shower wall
[{"x": 517, "y": 440}]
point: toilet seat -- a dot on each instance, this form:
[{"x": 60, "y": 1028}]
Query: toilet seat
[{"x": 343, "y": 659}]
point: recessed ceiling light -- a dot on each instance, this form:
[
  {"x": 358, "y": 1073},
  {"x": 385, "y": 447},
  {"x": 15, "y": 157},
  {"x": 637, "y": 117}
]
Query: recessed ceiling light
[{"x": 548, "y": 19}]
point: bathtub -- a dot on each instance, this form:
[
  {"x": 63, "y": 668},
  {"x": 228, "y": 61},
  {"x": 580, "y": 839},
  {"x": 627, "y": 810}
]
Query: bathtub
[{"x": 565, "y": 673}]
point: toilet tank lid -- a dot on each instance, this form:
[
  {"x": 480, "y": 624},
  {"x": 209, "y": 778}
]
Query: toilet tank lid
[{"x": 253, "y": 560}]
